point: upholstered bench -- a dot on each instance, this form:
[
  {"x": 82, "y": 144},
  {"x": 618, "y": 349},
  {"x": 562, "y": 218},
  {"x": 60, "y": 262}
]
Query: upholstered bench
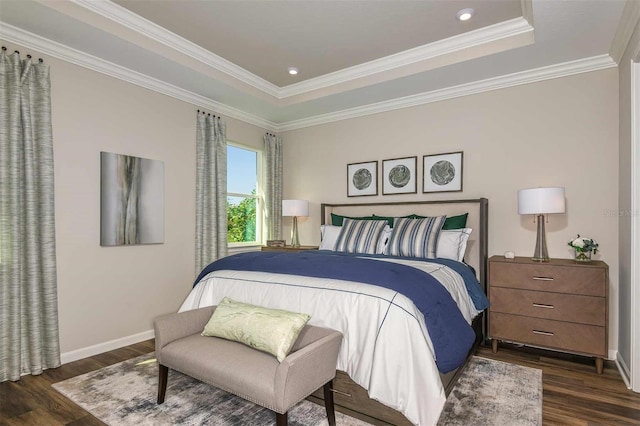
[{"x": 246, "y": 372}]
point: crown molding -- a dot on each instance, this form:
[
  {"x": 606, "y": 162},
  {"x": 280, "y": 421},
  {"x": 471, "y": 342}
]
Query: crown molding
[
  {"x": 471, "y": 39},
  {"x": 524, "y": 77},
  {"x": 68, "y": 54},
  {"x": 628, "y": 22},
  {"x": 468, "y": 40},
  {"x": 60, "y": 51},
  {"x": 132, "y": 21},
  {"x": 527, "y": 10}
]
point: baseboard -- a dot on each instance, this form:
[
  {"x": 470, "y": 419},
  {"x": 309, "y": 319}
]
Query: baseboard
[
  {"x": 105, "y": 347},
  {"x": 624, "y": 370},
  {"x": 613, "y": 354}
]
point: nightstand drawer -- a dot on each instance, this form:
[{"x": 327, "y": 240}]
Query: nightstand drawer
[
  {"x": 586, "y": 339},
  {"x": 545, "y": 277},
  {"x": 556, "y": 306}
]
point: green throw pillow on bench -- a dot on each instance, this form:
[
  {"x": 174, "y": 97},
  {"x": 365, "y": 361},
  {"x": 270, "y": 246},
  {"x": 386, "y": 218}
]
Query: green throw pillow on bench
[{"x": 269, "y": 330}]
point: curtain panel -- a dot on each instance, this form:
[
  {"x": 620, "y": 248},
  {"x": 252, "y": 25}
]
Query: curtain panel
[
  {"x": 29, "y": 337},
  {"x": 211, "y": 190},
  {"x": 273, "y": 187}
]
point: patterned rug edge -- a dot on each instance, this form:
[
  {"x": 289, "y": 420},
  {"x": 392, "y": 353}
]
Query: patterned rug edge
[{"x": 453, "y": 415}]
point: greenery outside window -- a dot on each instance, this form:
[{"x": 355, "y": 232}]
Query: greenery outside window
[{"x": 244, "y": 203}]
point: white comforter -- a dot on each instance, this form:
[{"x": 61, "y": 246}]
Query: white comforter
[{"x": 386, "y": 347}]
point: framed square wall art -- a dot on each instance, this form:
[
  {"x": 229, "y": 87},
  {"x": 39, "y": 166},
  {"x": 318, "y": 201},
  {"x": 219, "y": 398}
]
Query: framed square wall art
[
  {"x": 399, "y": 176},
  {"x": 442, "y": 172},
  {"x": 362, "y": 179},
  {"x": 131, "y": 200}
]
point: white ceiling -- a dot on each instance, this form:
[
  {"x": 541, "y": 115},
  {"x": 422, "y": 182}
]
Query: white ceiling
[{"x": 355, "y": 57}]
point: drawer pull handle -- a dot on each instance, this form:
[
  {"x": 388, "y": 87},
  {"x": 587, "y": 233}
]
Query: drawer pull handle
[
  {"x": 543, "y": 278},
  {"x": 544, "y": 333},
  {"x": 542, "y": 305},
  {"x": 341, "y": 393}
]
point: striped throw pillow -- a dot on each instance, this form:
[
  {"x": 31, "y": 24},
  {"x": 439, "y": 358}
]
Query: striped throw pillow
[
  {"x": 360, "y": 236},
  {"x": 416, "y": 237}
]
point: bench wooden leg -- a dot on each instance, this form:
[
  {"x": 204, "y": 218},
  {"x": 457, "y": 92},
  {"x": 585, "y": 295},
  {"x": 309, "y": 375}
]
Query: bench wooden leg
[
  {"x": 163, "y": 372},
  {"x": 281, "y": 419},
  {"x": 328, "y": 403}
]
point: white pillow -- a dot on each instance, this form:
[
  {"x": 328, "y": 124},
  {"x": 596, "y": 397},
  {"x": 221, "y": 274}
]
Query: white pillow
[
  {"x": 384, "y": 240},
  {"x": 452, "y": 243},
  {"x": 329, "y": 235}
]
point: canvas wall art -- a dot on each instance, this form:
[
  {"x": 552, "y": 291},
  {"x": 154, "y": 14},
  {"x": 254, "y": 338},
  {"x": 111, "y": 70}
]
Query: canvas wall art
[{"x": 131, "y": 200}]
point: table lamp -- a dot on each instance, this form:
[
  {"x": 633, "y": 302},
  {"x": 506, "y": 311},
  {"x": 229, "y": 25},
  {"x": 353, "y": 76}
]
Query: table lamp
[
  {"x": 295, "y": 208},
  {"x": 541, "y": 201}
]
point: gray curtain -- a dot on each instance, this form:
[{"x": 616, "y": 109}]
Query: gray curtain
[
  {"x": 29, "y": 340},
  {"x": 273, "y": 187},
  {"x": 211, "y": 190}
]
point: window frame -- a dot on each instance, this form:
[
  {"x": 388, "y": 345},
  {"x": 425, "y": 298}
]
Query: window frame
[{"x": 258, "y": 196}]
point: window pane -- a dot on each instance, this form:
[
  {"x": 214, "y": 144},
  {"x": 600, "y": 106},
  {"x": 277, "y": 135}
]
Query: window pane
[
  {"x": 242, "y": 170},
  {"x": 241, "y": 219}
]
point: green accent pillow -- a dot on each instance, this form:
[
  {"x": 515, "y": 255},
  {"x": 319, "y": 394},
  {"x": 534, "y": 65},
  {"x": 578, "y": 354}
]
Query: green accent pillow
[
  {"x": 389, "y": 219},
  {"x": 456, "y": 222},
  {"x": 336, "y": 219},
  {"x": 452, "y": 222},
  {"x": 269, "y": 330}
]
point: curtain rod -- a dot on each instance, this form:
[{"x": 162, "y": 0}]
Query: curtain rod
[
  {"x": 4, "y": 49},
  {"x": 209, "y": 114}
]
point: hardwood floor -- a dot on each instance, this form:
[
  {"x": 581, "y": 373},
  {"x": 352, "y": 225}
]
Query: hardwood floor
[
  {"x": 573, "y": 393},
  {"x": 32, "y": 400}
]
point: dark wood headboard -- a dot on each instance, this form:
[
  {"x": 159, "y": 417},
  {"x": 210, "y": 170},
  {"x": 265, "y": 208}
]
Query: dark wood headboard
[{"x": 478, "y": 220}]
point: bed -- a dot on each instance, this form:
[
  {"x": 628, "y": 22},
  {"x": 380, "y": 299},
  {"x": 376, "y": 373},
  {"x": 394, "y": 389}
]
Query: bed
[{"x": 396, "y": 366}]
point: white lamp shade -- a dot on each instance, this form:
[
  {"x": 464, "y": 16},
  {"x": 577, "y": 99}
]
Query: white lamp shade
[
  {"x": 541, "y": 201},
  {"x": 295, "y": 208}
]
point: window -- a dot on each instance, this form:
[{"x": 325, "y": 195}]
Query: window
[{"x": 244, "y": 205}]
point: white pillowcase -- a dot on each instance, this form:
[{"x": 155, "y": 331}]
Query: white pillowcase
[
  {"x": 384, "y": 240},
  {"x": 452, "y": 243},
  {"x": 329, "y": 235}
]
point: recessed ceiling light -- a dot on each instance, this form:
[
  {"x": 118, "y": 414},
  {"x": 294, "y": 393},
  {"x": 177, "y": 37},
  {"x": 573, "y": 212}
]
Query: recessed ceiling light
[
  {"x": 292, "y": 70},
  {"x": 465, "y": 14}
]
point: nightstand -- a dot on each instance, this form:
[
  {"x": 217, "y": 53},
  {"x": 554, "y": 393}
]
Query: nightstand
[
  {"x": 560, "y": 305},
  {"x": 290, "y": 249}
]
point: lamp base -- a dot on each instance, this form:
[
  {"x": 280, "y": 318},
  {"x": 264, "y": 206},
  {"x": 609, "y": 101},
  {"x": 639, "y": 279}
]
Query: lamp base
[
  {"x": 294, "y": 233},
  {"x": 540, "y": 254}
]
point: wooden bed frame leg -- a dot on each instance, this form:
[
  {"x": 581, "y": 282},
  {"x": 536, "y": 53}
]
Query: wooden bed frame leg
[
  {"x": 163, "y": 372},
  {"x": 328, "y": 403},
  {"x": 494, "y": 346},
  {"x": 281, "y": 419}
]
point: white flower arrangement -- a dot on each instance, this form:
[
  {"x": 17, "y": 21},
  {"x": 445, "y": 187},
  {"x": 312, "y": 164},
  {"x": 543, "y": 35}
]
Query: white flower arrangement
[{"x": 583, "y": 244}]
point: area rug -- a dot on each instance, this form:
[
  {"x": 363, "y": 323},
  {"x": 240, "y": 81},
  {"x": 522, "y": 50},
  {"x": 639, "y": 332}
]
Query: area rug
[
  {"x": 488, "y": 393},
  {"x": 491, "y": 392}
]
